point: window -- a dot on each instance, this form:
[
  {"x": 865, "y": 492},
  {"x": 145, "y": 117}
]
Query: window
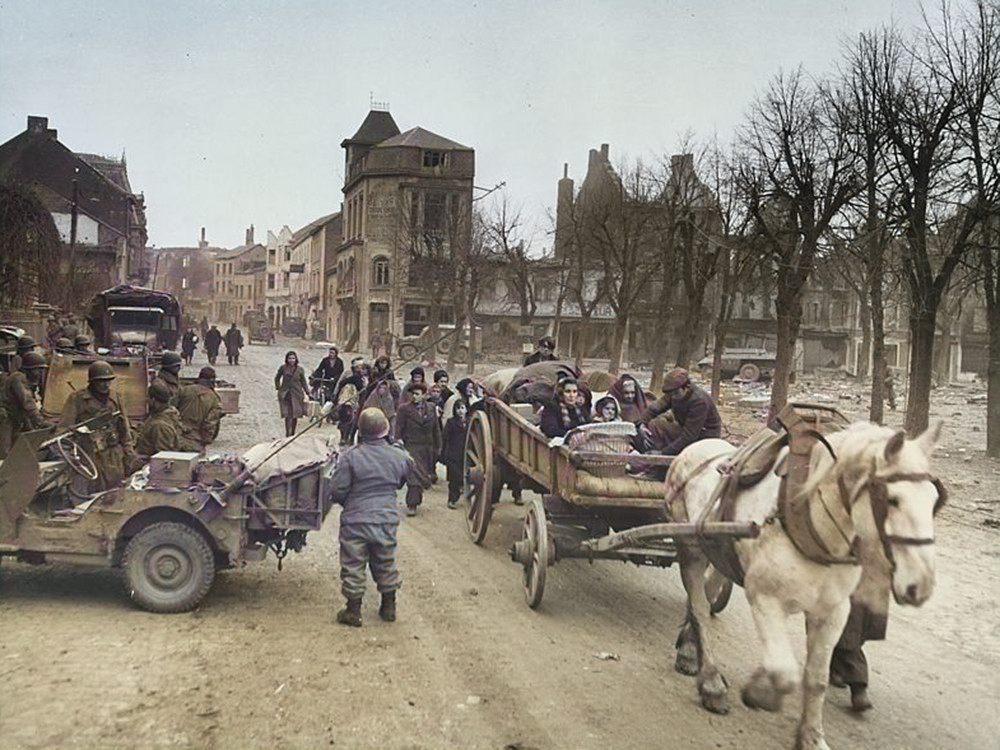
[
  {"x": 270, "y": 281},
  {"x": 380, "y": 271},
  {"x": 435, "y": 158}
]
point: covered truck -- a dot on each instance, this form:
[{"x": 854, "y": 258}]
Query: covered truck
[{"x": 136, "y": 317}]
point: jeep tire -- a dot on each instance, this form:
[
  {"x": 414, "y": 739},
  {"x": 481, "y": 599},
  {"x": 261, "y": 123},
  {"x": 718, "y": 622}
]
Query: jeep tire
[{"x": 169, "y": 567}]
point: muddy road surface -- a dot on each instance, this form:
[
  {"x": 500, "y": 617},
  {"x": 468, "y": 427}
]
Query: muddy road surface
[{"x": 262, "y": 663}]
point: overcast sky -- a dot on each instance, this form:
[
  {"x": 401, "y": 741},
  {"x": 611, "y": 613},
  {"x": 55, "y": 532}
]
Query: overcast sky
[{"x": 231, "y": 112}]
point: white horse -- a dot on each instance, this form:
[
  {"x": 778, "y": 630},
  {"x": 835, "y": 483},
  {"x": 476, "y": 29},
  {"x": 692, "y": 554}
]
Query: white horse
[{"x": 872, "y": 500}]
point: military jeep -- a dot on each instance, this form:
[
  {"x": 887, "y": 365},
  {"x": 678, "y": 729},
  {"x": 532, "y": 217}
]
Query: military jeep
[{"x": 174, "y": 523}]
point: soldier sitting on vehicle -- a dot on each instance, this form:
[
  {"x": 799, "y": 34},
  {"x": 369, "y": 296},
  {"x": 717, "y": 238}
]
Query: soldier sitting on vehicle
[
  {"x": 19, "y": 410},
  {"x": 164, "y": 429},
  {"x": 169, "y": 374},
  {"x": 108, "y": 439},
  {"x": 201, "y": 409}
]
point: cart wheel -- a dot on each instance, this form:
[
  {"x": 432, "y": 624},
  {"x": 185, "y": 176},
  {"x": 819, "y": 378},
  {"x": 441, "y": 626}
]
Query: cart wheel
[
  {"x": 718, "y": 589},
  {"x": 482, "y": 480},
  {"x": 749, "y": 371},
  {"x": 536, "y": 541}
]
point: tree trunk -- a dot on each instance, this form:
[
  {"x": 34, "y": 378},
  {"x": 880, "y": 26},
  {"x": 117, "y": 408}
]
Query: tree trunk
[
  {"x": 922, "y": 327},
  {"x": 619, "y": 332},
  {"x": 993, "y": 388},
  {"x": 789, "y": 309}
]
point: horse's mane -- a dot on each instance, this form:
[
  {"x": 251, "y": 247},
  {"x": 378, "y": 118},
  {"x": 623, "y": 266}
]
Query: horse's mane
[{"x": 855, "y": 448}]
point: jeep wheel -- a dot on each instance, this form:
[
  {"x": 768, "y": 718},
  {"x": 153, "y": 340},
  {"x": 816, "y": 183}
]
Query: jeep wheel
[
  {"x": 749, "y": 371},
  {"x": 169, "y": 567},
  {"x": 408, "y": 351}
]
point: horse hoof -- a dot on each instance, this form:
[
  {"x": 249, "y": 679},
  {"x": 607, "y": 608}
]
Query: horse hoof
[
  {"x": 686, "y": 665},
  {"x": 860, "y": 702},
  {"x": 717, "y": 704},
  {"x": 755, "y": 694}
]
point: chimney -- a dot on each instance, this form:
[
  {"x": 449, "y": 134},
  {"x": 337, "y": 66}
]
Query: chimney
[
  {"x": 604, "y": 151},
  {"x": 37, "y": 124},
  {"x": 202, "y": 244},
  {"x": 250, "y": 235}
]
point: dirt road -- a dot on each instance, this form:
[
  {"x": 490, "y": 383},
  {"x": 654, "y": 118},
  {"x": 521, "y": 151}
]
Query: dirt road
[{"x": 261, "y": 664}]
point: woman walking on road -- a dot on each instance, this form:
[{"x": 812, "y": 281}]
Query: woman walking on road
[{"x": 290, "y": 382}]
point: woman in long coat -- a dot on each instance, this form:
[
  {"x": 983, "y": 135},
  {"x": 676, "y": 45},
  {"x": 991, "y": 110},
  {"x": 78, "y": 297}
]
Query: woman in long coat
[{"x": 290, "y": 382}]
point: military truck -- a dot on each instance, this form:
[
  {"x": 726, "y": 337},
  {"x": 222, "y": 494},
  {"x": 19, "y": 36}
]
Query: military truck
[
  {"x": 135, "y": 317},
  {"x": 434, "y": 341},
  {"x": 174, "y": 523}
]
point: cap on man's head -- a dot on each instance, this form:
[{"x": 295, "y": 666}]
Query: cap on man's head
[
  {"x": 676, "y": 378},
  {"x": 206, "y": 373}
]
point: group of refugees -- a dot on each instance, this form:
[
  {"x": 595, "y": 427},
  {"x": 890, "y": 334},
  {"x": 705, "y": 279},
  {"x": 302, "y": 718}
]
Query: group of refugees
[
  {"x": 213, "y": 339},
  {"x": 181, "y": 417}
]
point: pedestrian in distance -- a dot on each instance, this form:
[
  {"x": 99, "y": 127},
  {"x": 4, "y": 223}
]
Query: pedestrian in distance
[
  {"x": 290, "y": 383},
  {"x": 213, "y": 340},
  {"x": 546, "y": 351},
  {"x": 234, "y": 342},
  {"x": 365, "y": 483},
  {"x": 189, "y": 342}
]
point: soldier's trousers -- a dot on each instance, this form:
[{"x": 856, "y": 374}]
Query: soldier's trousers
[{"x": 368, "y": 545}]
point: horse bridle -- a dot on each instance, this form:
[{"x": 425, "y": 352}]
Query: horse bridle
[{"x": 878, "y": 491}]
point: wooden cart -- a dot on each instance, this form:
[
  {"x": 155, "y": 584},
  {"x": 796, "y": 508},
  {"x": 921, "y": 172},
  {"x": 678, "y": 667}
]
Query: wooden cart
[{"x": 591, "y": 506}]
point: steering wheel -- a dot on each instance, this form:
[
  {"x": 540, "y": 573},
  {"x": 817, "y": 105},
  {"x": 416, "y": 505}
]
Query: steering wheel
[{"x": 77, "y": 458}]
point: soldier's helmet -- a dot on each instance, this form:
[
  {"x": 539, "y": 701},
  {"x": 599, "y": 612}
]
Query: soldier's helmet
[
  {"x": 676, "y": 378},
  {"x": 159, "y": 392},
  {"x": 32, "y": 361},
  {"x": 82, "y": 341},
  {"x": 100, "y": 370},
  {"x": 64, "y": 343},
  {"x": 25, "y": 343},
  {"x": 372, "y": 424},
  {"x": 170, "y": 359},
  {"x": 206, "y": 373}
]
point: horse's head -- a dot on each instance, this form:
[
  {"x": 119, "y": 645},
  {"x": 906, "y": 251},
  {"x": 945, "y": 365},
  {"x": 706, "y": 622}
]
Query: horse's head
[{"x": 904, "y": 498}]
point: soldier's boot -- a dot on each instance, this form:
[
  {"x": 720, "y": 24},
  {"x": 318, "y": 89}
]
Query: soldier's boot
[
  {"x": 388, "y": 609},
  {"x": 351, "y": 614}
]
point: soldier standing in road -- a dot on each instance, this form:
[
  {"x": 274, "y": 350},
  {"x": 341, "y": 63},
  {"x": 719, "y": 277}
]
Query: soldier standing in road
[
  {"x": 109, "y": 441},
  {"x": 234, "y": 342},
  {"x": 201, "y": 409},
  {"x": 367, "y": 478}
]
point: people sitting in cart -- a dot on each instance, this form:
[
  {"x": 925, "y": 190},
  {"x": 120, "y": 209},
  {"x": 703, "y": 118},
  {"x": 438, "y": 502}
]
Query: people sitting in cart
[
  {"x": 682, "y": 415},
  {"x": 564, "y": 413},
  {"x": 630, "y": 396},
  {"x": 606, "y": 410}
]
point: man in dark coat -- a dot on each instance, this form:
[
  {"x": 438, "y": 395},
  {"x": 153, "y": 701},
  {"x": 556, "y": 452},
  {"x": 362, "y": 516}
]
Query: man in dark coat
[
  {"x": 418, "y": 429},
  {"x": 327, "y": 374},
  {"x": 213, "y": 340},
  {"x": 546, "y": 351},
  {"x": 695, "y": 416},
  {"x": 367, "y": 478},
  {"x": 234, "y": 342}
]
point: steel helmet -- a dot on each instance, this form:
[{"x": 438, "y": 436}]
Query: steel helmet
[
  {"x": 372, "y": 424},
  {"x": 32, "y": 361},
  {"x": 206, "y": 373},
  {"x": 26, "y": 342},
  {"x": 676, "y": 378},
  {"x": 170, "y": 359},
  {"x": 100, "y": 370},
  {"x": 64, "y": 343},
  {"x": 82, "y": 340},
  {"x": 158, "y": 391}
]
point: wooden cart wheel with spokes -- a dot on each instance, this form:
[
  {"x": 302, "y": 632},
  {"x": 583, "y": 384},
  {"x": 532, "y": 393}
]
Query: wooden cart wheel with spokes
[
  {"x": 481, "y": 476},
  {"x": 536, "y": 552}
]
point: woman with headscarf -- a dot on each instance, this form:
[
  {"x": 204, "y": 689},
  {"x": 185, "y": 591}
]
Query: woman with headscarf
[
  {"x": 630, "y": 396},
  {"x": 566, "y": 413},
  {"x": 290, "y": 382}
]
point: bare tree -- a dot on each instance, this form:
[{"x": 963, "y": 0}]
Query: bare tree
[
  {"x": 797, "y": 172},
  {"x": 933, "y": 96},
  {"x": 30, "y": 248},
  {"x": 504, "y": 237}
]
